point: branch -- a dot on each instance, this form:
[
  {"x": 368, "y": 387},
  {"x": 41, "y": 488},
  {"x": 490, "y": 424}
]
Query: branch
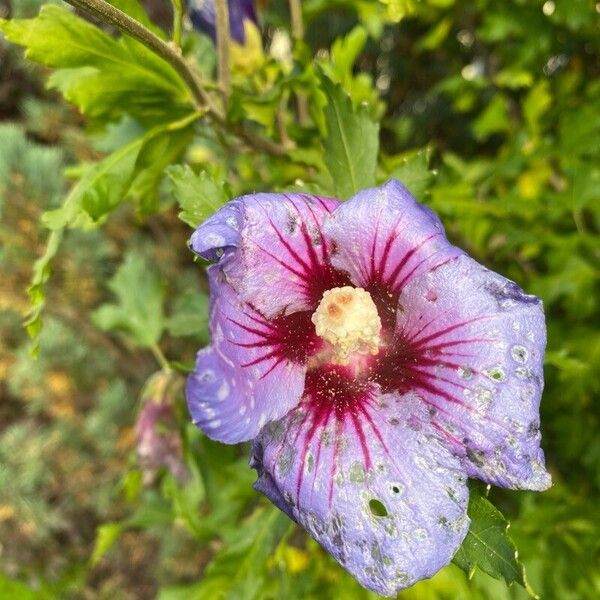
[
  {"x": 223, "y": 37},
  {"x": 260, "y": 143},
  {"x": 298, "y": 35},
  {"x": 296, "y": 18}
]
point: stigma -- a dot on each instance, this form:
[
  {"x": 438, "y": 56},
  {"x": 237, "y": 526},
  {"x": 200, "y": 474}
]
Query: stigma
[{"x": 347, "y": 319}]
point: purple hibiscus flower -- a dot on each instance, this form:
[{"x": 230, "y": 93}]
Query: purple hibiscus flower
[
  {"x": 202, "y": 15},
  {"x": 375, "y": 366}
]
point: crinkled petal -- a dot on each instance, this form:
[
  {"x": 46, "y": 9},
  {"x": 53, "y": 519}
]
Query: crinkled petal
[
  {"x": 272, "y": 250},
  {"x": 476, "y": 344},
  {"x": 384, "y": 239},
  {"x": 254, "y": 370},
  {"x": 373, "y": 484},
  {"x": 265, "y": 485},
  {"x": 219, "y": 235}
]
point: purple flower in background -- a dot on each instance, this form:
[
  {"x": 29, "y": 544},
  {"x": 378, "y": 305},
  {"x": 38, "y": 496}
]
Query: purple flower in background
[
  {"x": 376, "y": 367},
  {"x": 202, "y": 15}
]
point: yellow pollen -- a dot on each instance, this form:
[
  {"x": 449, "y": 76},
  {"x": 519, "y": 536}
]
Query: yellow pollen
[{"x": 347, "y": 318}]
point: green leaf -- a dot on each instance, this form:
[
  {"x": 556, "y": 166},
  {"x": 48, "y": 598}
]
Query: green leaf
[
  {"x": 102, "y": 186},
  {"x": 157, "y": 153},
  {"x": 436, "y": 35},
  {"x": 190, "y": 315},
  {"x": 108, "y": 182},
  {"x": 36, "y": 289},
  {"x": 487, "y": 546},
  {"x": 493, "y": 119},
  {"x": 140, "y": 296},
  {"x": 105, "y": 184},
  {"x": 537, "y": 102},
  {"x": 10, "y": 588},
  {"x": 345, "y": 51},
  {"x": 412, "y": 169},
  {"x": 186, "y": 502},
  {"x": 513, "y": 78},
  {"x": 352, "y": 143},
  {"x": 103, "y": 76},
  {"x": 239, "y": 571},
  {"x": 106, "y": 537},
  {"x": 341, "y": 66},
  {"x": 199, "y": 196},
  {"x": 152, "y": 512}
]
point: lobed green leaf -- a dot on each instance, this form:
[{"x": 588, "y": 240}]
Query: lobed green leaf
[
  {"x": 138, "y": 311},
  {"x": 199, "y": 196}
]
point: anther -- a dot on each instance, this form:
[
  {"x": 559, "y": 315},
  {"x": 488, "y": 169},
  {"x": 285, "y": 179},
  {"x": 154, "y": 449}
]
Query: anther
[{"x": 347, "y": 318}]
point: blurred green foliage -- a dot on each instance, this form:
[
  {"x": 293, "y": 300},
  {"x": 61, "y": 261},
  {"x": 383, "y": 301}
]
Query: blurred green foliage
[{"x": 488, "y": 110}]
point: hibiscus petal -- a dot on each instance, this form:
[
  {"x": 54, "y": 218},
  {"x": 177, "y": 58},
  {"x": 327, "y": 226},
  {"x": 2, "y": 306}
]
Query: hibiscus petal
[
  {"x": 476, "y": 344},
  {"x": 219, "y": 233},
  {"x": 384, "y": 238},
  {"x": 254, "y": 370},
  {"x": 370, "y": 480},
  {"x": 272, "y": 242},
  {"x": 265, "y": 485}
]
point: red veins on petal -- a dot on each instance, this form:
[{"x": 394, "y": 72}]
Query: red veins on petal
[
  {"x": 385, "y": 285},
  {"x": 286, "y": 338},
  {"x": 307, "y": 259},
  {"x": 332, "y": 397}
]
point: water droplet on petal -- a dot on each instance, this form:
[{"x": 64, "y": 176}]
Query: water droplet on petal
[{"x": 519, "y": 354}]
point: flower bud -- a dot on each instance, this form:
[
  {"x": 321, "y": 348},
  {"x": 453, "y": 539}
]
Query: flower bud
[{"x": 158, "y": 440}]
